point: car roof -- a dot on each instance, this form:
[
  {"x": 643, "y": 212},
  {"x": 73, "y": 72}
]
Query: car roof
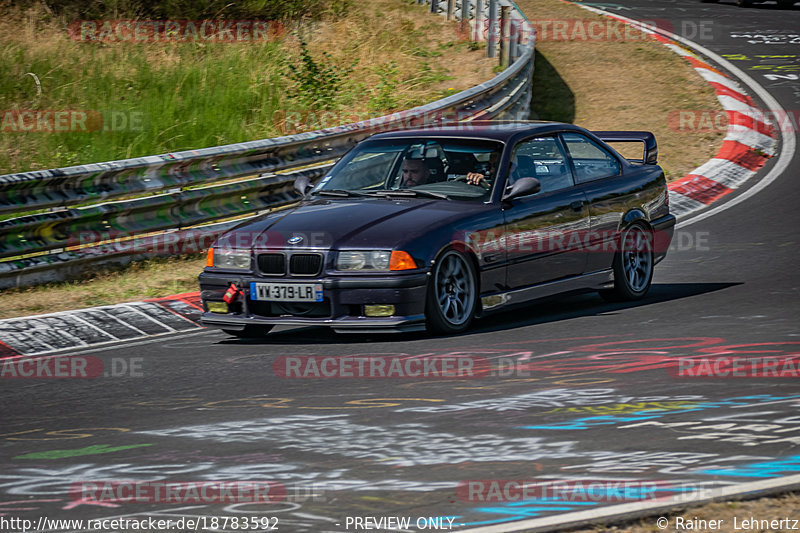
[{"x": 495, "y": 130}]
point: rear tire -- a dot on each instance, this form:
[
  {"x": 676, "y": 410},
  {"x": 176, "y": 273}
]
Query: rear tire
[
  {"x": 633, "y": 265},
  {"x": 452, "y": 294},
  {"x": 251, "y": 331}
]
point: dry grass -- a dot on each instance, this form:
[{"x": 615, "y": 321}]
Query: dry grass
[
  {"x": 631, "y": 85},
  {"x": 429, "y": 53},
  {"x": 785, "y": 506},
  {"x": 401, "y": 57},
  {"x": 421, "y": 48}
]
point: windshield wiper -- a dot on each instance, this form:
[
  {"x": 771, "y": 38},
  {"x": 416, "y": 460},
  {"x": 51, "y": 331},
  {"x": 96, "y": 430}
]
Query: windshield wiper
[
  {"x": 411, "y": 192},
  {"x": 337, "y": 192}
]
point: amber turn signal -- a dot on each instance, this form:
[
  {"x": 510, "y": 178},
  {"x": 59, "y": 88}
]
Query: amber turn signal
[
  {"x": 400, "y": 260},
  {"x": 210, "y": 258}
]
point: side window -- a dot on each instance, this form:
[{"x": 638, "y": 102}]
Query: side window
[
  {"x": 592, "y": 161},
  {"x": 543, "y": 159}
]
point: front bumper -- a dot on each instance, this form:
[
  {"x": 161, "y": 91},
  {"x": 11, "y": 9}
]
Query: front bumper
[{"x": 342, "y": 308}]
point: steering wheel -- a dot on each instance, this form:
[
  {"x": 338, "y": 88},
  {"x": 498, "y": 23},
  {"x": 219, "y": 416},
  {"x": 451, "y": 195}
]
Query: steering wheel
[{"x": 483, "y": 183}]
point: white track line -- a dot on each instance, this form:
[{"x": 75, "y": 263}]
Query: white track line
[{"x": 640, "y": 508}]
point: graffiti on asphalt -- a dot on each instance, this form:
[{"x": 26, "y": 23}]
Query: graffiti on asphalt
[
  {"x": 558, "y": 398},
  {"x": 773, "y": 468},
  {"x": 747, "y": 429},
  {"x": 61, "y": 434},
  {"x": 399, "y": 444},
  {"x": 648, "y": 414},
  {"x": 655, "y": 462},
  {"x": 95, "y": 449}
]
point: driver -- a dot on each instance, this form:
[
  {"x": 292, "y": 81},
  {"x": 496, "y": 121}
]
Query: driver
[
  {"x": 476, "y": 178},
  {"x": 415, "y": 172}
]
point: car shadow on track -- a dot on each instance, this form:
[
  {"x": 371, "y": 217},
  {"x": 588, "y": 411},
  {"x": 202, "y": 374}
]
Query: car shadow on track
[
  {"x": 562, "y": 307},
  {"x": 545, "y": 311}
]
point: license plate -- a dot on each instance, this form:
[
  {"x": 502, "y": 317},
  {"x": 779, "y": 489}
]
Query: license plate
[{"x": 286, "y": 292}]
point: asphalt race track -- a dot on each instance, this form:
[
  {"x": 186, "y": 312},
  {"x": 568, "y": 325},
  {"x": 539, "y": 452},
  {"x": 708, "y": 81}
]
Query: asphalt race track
[{"x": 571, "y": 389}]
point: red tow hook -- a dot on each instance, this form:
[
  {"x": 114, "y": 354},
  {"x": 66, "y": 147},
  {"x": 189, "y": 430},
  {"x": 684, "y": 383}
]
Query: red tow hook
[{"x": 231, "y": 294}]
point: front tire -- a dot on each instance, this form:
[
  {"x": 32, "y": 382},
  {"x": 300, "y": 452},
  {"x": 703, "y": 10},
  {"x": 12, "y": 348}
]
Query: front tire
[
  {"x": 452, "y": 294},
  {"x": 250, "y": 331},
  {"x": 633, "y": 265}
]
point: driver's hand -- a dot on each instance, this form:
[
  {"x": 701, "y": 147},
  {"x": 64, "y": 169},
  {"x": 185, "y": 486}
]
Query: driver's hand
[{"x": 474, "y": 178}]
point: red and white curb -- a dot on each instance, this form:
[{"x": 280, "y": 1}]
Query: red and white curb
[
  {"x": 97, "y": 326},
  {"x": 750, "y": 141}
]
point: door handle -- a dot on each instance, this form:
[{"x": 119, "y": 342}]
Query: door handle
[{"x": 577, "y": 205}]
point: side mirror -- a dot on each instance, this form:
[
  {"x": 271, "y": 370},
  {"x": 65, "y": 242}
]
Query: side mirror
[
  {"x": 302, "y": 185},
  {"x": 522, "y": 187}
]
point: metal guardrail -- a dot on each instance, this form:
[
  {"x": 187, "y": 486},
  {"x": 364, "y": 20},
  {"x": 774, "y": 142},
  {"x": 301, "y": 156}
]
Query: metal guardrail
[{"x": 194, "y": 187}]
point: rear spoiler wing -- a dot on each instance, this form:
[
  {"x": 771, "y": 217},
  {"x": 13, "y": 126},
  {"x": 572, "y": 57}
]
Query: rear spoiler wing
[{"x": 650, "y": 156}]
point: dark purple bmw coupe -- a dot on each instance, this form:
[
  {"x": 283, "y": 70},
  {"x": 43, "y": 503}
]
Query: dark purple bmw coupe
[{"x": 434, "y": 227}]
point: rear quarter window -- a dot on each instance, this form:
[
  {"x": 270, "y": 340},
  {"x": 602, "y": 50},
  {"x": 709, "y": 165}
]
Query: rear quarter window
[{"x": 592, "y": 161}]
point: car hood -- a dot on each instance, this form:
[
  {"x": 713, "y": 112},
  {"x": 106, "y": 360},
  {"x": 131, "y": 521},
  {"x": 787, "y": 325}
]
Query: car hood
[{"x": 345, "y": 223}]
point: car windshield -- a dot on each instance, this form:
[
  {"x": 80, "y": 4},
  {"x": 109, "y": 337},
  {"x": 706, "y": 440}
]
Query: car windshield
[{"x": 463, "y": 169}]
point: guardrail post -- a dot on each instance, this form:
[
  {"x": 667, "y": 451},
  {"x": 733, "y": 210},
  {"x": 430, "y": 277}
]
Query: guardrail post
[
  {"x": 505, "y": 34},
  {"x": 451, "y": 8},
  {"x": 434, "y": 6},
  {"x": 491, "y": 48},
  {"x": 513, "y": 41},
  {"x": 465, "y": 8},
  {"x": 478, "y": 28}
]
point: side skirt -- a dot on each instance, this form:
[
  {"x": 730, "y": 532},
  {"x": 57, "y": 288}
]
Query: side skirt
[{"x": 602, "y": 279}]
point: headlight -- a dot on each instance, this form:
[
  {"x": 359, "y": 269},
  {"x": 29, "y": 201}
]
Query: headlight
[
  {"x": 366, "y": 260},
  {"x": 230, "y": 258}
]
